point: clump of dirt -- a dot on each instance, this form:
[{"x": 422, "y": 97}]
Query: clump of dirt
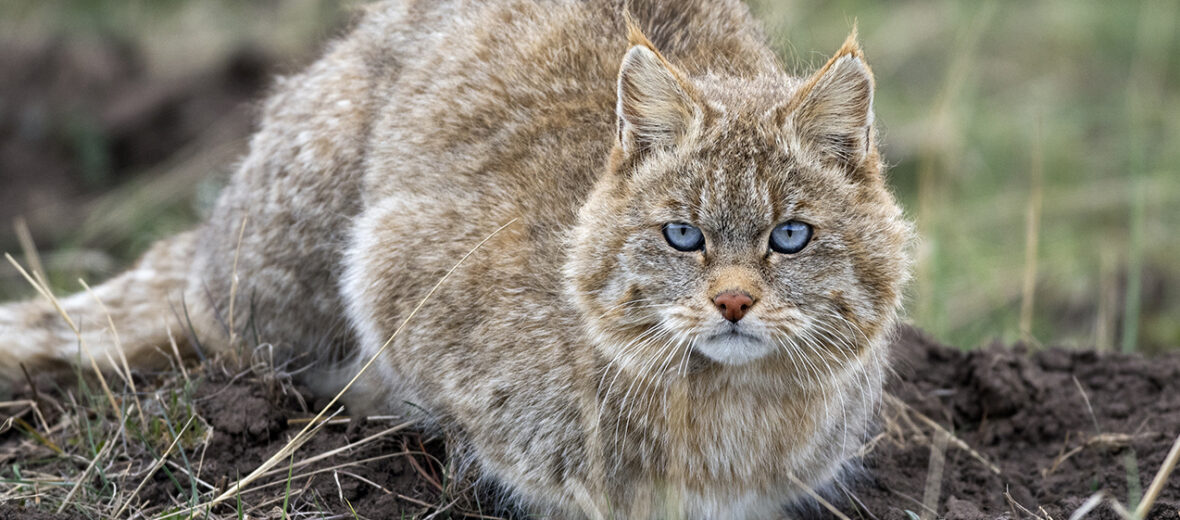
[
  {"x": 381, "y": 467},
  {"x": 1058, "y": 426}
]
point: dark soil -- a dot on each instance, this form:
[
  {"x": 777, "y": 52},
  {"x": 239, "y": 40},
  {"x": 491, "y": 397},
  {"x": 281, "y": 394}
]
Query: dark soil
[
  {"x": 1060, "y": 425},
  {"x": 11, "y": 512},
  {"x": 251, "y": 421}
]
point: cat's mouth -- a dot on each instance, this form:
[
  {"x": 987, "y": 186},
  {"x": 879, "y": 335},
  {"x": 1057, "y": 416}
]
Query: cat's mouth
[
  {"x": 734, "y": 345},
  {"x": 733, "y": 331}
]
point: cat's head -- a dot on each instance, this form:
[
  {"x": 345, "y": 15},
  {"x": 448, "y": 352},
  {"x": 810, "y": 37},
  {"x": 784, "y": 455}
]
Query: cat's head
[{"x": 741, "y": 219}]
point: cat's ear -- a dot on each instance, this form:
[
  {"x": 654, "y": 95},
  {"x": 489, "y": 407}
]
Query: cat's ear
[
  {"x": 656, "y": 107},
  {"x": 832, "y": 113}
]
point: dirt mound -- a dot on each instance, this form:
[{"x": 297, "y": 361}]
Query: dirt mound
[
  {"x": 1055, "y": 425},
  {"x": 379, "y": 466}
]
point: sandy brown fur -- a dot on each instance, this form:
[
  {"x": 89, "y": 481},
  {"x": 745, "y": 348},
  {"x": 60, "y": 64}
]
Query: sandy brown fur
[{"x": 563, "y": 351}]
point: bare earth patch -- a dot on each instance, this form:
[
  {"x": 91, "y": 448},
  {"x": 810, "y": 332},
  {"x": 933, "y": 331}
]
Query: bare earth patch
[{"x": 1058, "y": 425}]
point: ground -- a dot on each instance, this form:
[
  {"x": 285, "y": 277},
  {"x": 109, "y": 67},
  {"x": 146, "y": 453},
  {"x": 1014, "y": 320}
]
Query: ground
[
  {"x": 1041, "y": 430},
  {"x": 1024, "y": 433}
]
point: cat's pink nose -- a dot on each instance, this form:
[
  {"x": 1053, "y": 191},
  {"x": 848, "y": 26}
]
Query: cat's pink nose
[{"x": 733, "y": 304}]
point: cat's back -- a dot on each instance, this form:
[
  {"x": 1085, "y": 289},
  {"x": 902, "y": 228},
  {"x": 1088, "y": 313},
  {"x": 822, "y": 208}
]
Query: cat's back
[{"x": 513, "y": 100}]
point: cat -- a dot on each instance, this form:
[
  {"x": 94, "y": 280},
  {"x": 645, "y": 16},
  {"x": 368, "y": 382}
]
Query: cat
[{"x": 684, "y": 264}]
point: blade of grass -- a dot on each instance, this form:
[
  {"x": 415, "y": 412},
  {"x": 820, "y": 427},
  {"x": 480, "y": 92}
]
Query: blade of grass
[
  {"x": 347, "y": 447},
  {"x": 43, "y": 288},
  {"x": 241, "y": 514},
  {"x": 176, "y": 352},
  {"x": 933, "y": 489},
  {"x": 1120, "y": 510},
  {"x": 181, "y": 469},
  {"x": 350, "y": 508},
  {"x": 1032, "y": 229},
  {"x": 233, "y": 284},
  {"x": 183, "y": 457},
  {"x": 287, "y": 492},
  {"x": 957, "y": 442},
  {"x": 1161, "y": 478},
  {"x": 1089, "y": 408},
  {"x": 29, "y": 429},
  {"x": 36, "y": 396},
  {"x": 336, "y": 474},
  {"x": 1094, "y": 501},
  {"x": 816, "y": 496},
  {"x": 155, "y": 467},
  {"x": 106, "y": 448},
  {"x": 1132, "y": 305},
  {"x": 119, "y": 350},
  {"x": 336, "y": 467},
  {"x": 25, "y": 238},
  {"x": 1018, "y": 506},
  {"x": 1134, "y": 486}
]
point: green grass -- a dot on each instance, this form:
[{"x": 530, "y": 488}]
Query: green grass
[{"x": 966, "y": 91}]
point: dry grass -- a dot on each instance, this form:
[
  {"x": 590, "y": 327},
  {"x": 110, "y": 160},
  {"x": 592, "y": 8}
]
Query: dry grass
[
  {"x": 204, "y": 503},
  {"x": 94, "y": 460}
]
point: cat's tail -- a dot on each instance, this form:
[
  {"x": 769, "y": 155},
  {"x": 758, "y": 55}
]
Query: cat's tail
[{"x": 131, "y": 317}]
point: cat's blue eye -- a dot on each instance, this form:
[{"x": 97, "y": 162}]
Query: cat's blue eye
[
  {"x": 684, "y": 237},
  {"x": 790, "y": 237}
]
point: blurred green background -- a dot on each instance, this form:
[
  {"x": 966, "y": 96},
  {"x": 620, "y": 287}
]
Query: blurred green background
[{"x": 1035, "y": 143}]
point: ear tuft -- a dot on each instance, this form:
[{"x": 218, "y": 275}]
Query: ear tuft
[
  {"x": 833, "y": 111},
  {"x": 655, "y": 107},
  {"x": 851, "y": 45},
  {"x": 635, "y": 34}
]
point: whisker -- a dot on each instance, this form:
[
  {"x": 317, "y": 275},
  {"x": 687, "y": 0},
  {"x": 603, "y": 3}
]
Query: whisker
[
  {"x": 808, "y": 337},
  {"x": 640, "y": 383},
  {"x": 681, "y": 339},
  {"x": 661, "y": 332},
  {"x": 792, "y": 357}
]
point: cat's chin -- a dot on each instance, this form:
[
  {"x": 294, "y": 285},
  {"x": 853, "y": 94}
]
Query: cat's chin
[{"x": 734, "y": 348}]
